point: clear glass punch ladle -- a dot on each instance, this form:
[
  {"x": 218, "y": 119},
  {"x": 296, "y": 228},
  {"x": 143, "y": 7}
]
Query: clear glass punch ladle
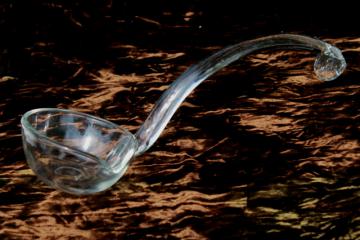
[{"x": 82, "y": 154}]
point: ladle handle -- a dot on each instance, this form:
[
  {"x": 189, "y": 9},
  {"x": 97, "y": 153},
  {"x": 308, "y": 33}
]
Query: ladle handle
[{"x": 329, "y": 64}]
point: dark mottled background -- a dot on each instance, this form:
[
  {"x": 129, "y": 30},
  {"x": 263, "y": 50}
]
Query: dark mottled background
[{"x": 262, "y": 150}]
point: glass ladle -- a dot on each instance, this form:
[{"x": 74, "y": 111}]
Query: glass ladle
[{"x": 82, "y": 154}]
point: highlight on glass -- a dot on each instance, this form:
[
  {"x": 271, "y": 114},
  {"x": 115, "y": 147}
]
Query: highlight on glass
[{"x": 82, "y": 154}]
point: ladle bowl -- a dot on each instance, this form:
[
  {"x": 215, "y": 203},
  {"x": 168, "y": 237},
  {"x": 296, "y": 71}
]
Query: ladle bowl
[
  {"x": 75, "y": 152},
  {"x": 82, "y": 154}
]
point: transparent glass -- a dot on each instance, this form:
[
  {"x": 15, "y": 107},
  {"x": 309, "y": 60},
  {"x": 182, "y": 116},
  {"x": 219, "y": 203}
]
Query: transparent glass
[
  {"x": 75, "y": 152},
  {"x": 81, "y": 154}
]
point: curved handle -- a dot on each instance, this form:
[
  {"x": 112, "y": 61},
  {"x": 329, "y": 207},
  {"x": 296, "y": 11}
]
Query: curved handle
[{"x": 329, "y": 64}]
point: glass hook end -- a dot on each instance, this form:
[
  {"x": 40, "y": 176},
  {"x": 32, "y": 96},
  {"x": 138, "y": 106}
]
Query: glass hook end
[{"x": 329, "y": 64}]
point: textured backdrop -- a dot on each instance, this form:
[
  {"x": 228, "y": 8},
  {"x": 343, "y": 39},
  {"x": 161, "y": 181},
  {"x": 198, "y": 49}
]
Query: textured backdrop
[{"x": 262, "y": 150}]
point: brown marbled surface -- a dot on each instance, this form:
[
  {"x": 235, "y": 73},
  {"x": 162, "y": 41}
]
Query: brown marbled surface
[{"x": 262, "y": 150}]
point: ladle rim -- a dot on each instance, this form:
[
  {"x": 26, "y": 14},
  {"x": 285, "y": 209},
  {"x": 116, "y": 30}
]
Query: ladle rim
[{"x": 28, "y": 126}]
